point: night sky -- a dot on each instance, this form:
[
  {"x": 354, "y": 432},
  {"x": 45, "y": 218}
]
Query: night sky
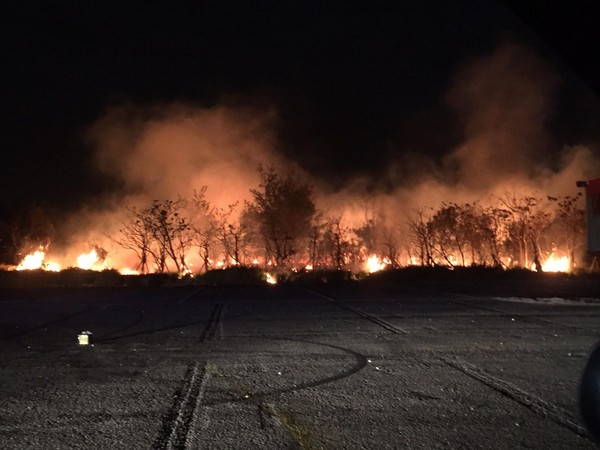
[{"x": 354, "y": 84}]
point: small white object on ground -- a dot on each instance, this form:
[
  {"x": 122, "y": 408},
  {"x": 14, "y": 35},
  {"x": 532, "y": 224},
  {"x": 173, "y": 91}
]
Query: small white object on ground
[{"x": 84, "y": 337}]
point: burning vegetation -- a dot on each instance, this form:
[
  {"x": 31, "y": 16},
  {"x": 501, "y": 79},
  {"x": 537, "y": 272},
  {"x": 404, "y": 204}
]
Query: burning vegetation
[
  {"x": 281, "y": 230},
  {"x": 190, "y": 200}
]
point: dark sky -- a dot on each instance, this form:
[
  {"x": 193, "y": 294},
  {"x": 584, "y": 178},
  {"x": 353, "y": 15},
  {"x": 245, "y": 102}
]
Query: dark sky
[{"x": 353, "y": 82}]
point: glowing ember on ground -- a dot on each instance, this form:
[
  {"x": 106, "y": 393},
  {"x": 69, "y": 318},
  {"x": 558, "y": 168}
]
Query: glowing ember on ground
[
  {"x": 87, "y": 260},
  {"x": 309, "y": 267},
  {"x": 32, "y": 261},
  {"x": 375, "y": 264},
  {"x": 554, "y": 264},
  {"x": 270, "y": 278}
]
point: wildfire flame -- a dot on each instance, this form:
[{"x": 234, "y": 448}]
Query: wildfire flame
[
  {"x": 270, "y": 278},
  {"x": 87, "y": 260},
  {"x": 32, "y": 261},
  {"x": 52, "y": 266},
  {"x": 37, "y": 260},
  {"x": 555, "y": 264},
  {"x": 375, "y": 264}
]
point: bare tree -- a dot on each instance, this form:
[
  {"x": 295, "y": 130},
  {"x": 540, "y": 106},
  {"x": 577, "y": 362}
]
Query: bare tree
[
  {"x": 284, "y": 209},
  {"x": 494, "y": 229},
  {"x": 571, "y": 220},
  {"x": 203, "y": 226},
  {"x": 448, "y": 232},
  {"x": 231, "y": 233},
  {"x": 316, "y": 240},
  {"x": 420, "y": 231},
  {"x": 135, "y": 235},
  {"x": 337, "y": 242},
  {"x": 159, "y": 232},
  {"x": 528, "y": 220}
]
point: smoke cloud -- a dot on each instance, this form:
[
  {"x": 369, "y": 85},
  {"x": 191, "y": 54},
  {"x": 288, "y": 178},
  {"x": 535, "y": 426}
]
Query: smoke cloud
[
  {"x": 504, "y": 101},
  {"x": 169, "y": 151}
]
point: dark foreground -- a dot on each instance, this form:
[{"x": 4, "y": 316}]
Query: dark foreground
[{"x": 289, "y": 367}]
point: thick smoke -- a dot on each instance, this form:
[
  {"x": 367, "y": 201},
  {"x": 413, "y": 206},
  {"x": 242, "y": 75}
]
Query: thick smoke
[
  {"x": 504, "y": 101},
  {"x": 169, "y": 151}
]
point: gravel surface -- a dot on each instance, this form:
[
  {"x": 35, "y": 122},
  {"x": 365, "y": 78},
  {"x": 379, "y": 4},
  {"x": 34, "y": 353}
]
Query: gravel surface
[{"x": 289, "y": 367}]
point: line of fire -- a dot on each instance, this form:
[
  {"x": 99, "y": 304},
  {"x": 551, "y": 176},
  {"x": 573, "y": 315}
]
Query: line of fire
[{"x": 281, "y": 230}]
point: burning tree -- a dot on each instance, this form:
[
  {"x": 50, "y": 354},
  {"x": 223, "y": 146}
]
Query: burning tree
[
  {"x": 284, "y": 210},
  {"x": 570, "y": 219},
  {"x": 203, "y": 226},
  {"x": 422, "y": 238},
  {"x": 159, "y": 232},
  {"x": 448, "y": 231},
  {"x": 337, "y": 242},
  {"x": 528, "y": 219},
  {"x": 171, "y": 233},
  {"x": 232, "y": 234},
  {"x": 135, "y": 235},
  {"x": 28, "y": 230}
]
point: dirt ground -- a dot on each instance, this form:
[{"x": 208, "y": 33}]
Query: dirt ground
[{"x": 323, "y": 367}]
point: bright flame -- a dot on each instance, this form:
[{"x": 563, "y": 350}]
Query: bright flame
[
  {"x": 309, "y": 267},
  {"x": 128, "y": 271},
  {"x": 52, "y": 266},
  {"x": 554, "y": 264},
  {"x": 375, "y": 264},
  {"x": 87, "y": 260},
  {"x": 412, "y": 261},
  {"x": 32, "y": 261},
  {"x": 270, "y": 278},
  {"x": 255, "y": 261}
]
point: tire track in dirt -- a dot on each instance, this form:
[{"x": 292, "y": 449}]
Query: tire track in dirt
[
  {"x": 178, "y": 425},
  {"x": 376, "y": 320},
  {"x": 45, "y": 325},
  {"x": 524, "y": 398},
  {"x": 214, "y": 326},
  {"x": 531, "y": 401},
  {"x": 359, "y": 363}
]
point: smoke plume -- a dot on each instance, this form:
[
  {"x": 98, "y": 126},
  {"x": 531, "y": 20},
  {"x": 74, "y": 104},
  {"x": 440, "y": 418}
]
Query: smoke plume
[{"x": 504, "y": 101}]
